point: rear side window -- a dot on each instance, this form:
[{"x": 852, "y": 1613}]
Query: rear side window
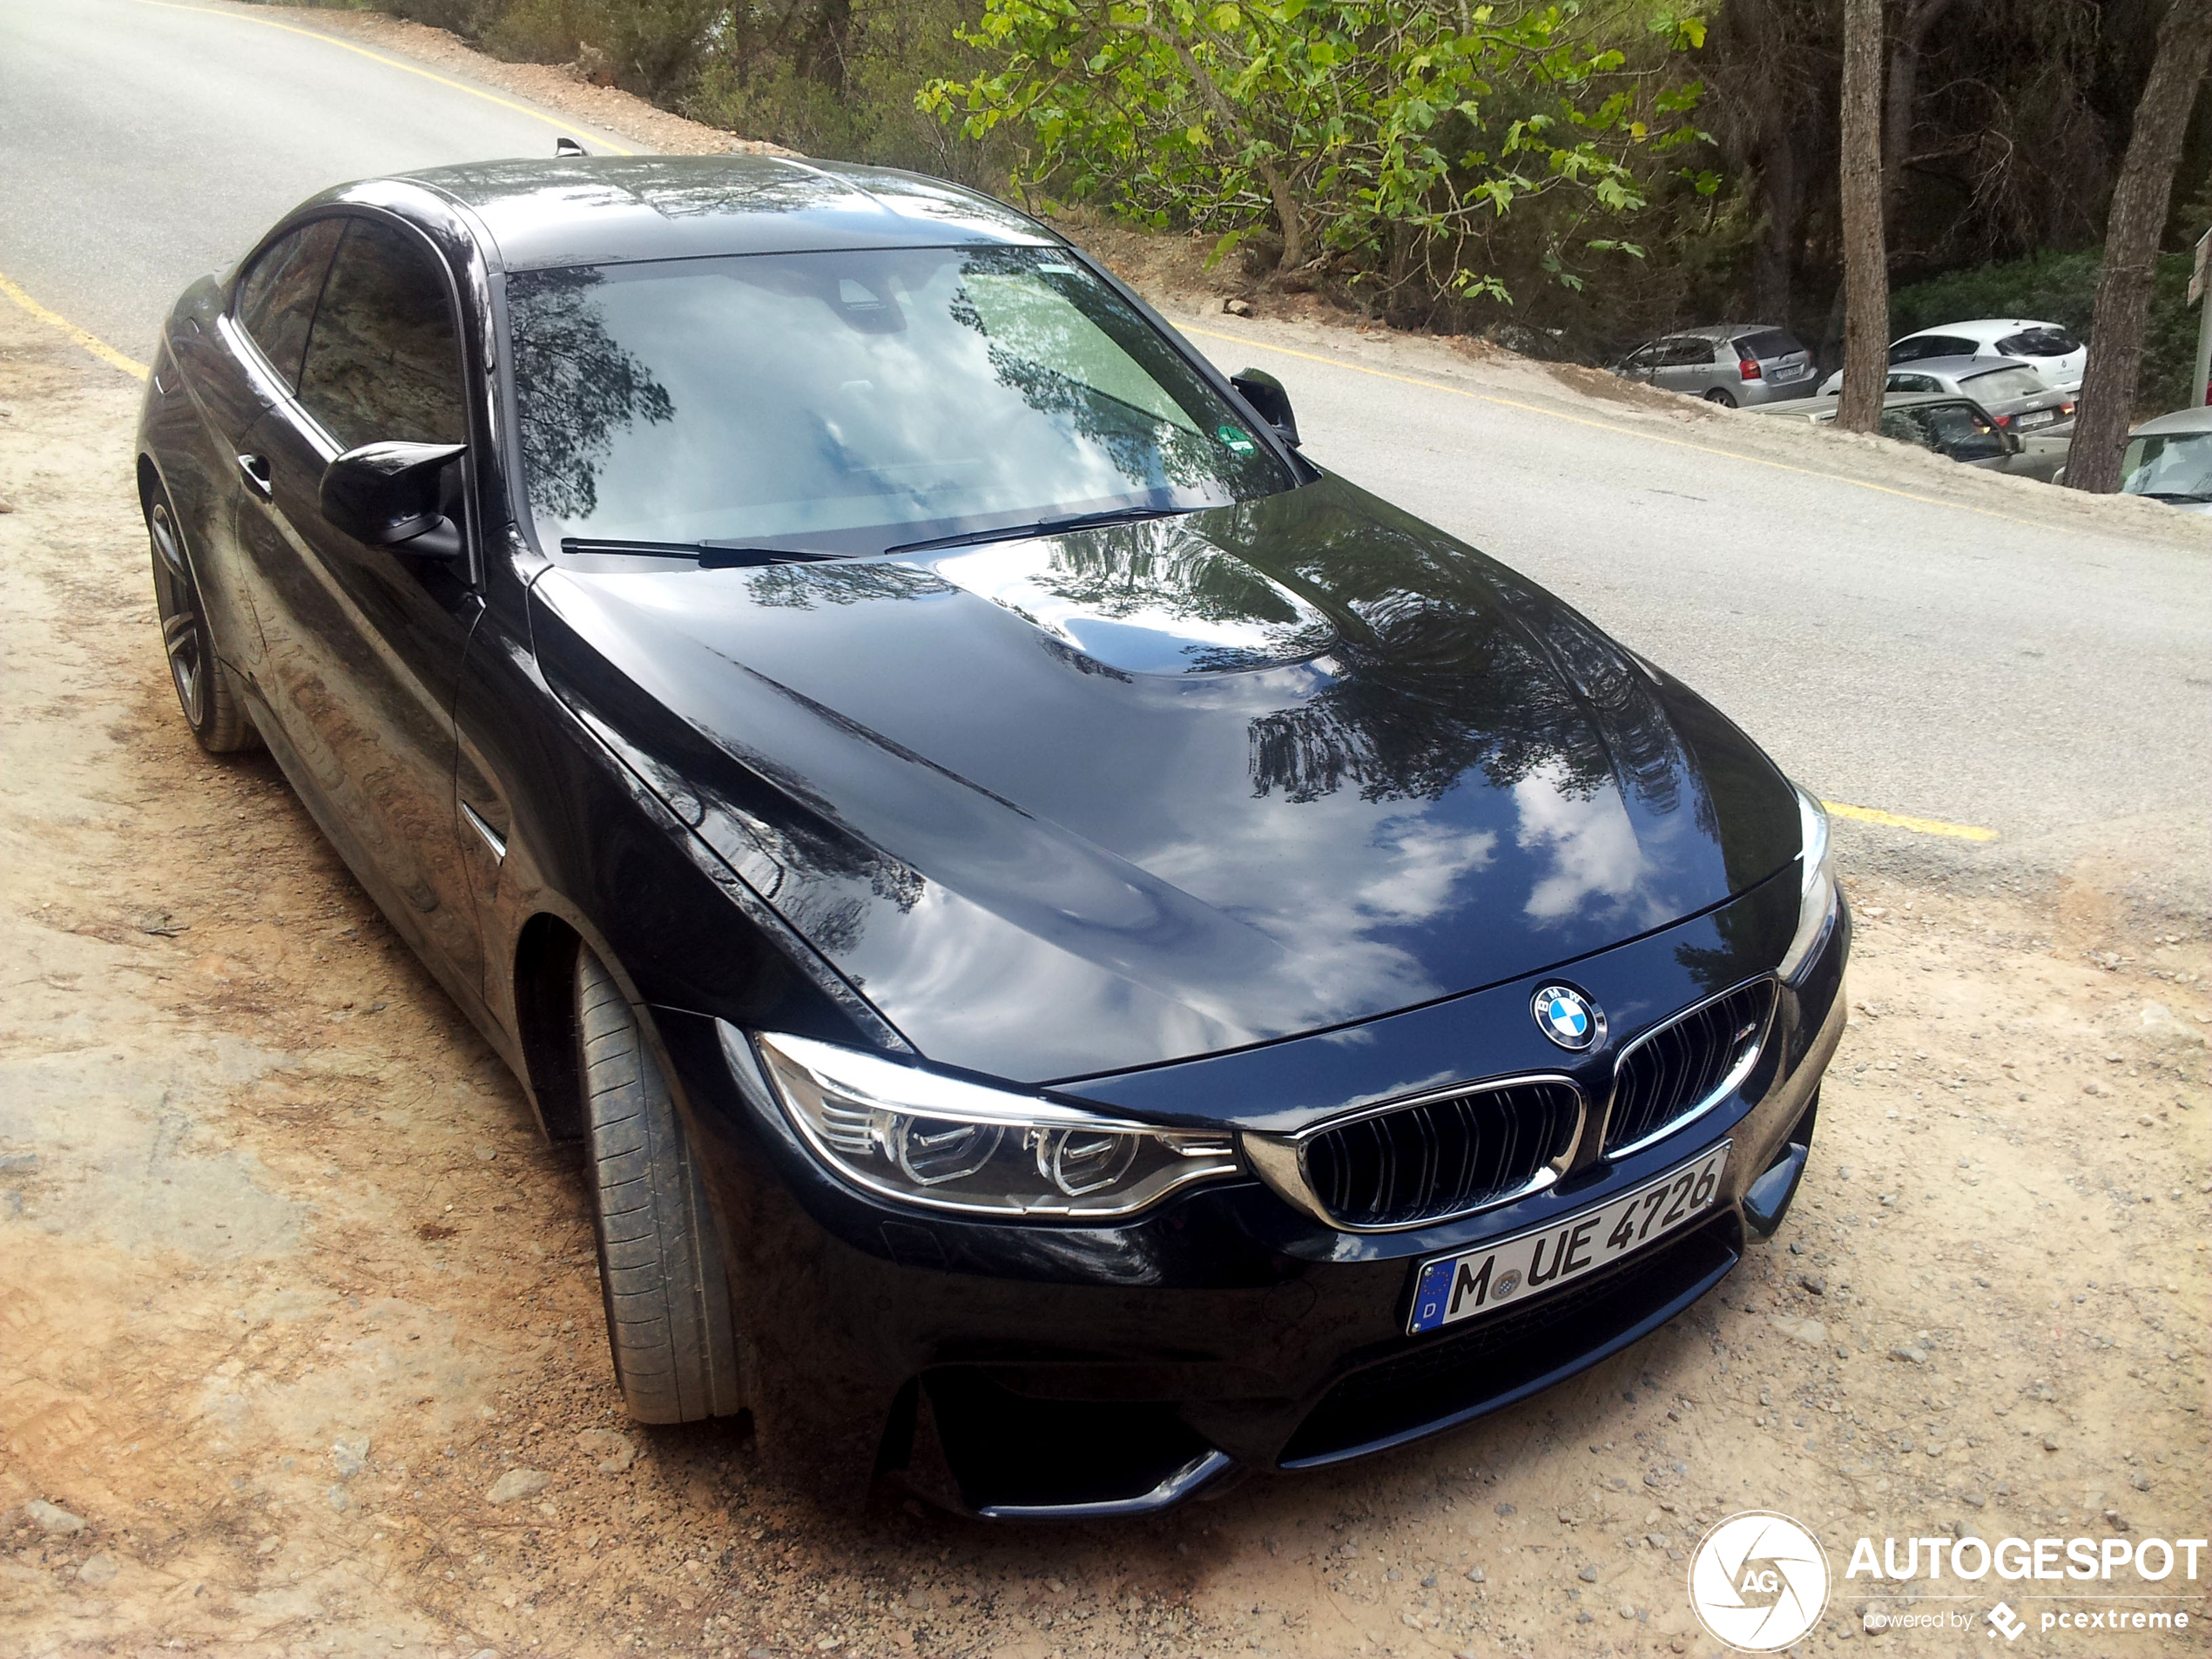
[
  {"x": 1913, "y": 383},
  {"x": 1925, "y": 346},
  {"x": 2038, "y": 342},
  {"x": 277, "y": 299},
  {"x": 383, "y": 359},
  {"x": 1767, "y": 344},
  {"x": 2002, "y": 383}
]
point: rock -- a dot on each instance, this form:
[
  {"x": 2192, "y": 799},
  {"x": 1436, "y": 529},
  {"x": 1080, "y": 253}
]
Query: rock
[
  {"x": 2050, "y": 1442},
  {"x": 1505, "y": 1509},
  {"x": 1972, "y": 1500},
  {"x": 2140, "y": 1482},
  {"x": 1843, "y": 1172},
  {"x": 517, "y": 1484},
  {"x": 348, "y": 1454},
  {"x": 1911, "y": 1355},
  {"x": 1476, "y": 1576},
  {"x": 613, "y": 1452},
  {"x": 1238, "y": 307},
  {"x": 1657, "y": 1540},
  {"x": 51, "y": 1517},
  {"x": 1628, "y": 1610},
  {"x": 1585, "y": 1616},
  {"x": 1588, "y": 1575},
  {"x": 19, "y": 1164},
  {"x": 1814, "y": 1283},
  {"x": 1812, "y": 1332},
  {"x": 336, "y": 1498},
  {"x": 97, "y": 1570}
]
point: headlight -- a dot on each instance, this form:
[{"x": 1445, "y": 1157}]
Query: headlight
[
  {"x": 1816, "y": 876},
  {"x": 927, "y": 1139}
]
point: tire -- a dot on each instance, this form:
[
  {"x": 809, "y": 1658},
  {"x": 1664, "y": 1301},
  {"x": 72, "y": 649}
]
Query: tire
[
  {"x": 1722, "y": 397},
  {"x": 205, "y": 690},
  {"x": 661, "y": 1268}
]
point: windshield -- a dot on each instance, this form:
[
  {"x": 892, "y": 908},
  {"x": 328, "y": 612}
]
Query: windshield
[
  {"x": 2172, "y": 464},
  {"x": 2000, "y": 384},
  {"x": 848, "y": 401}
]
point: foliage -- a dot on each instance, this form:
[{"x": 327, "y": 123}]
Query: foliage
[
  {"x": 1405, "y": 136},
  {"x": 2062, "y": 288}
]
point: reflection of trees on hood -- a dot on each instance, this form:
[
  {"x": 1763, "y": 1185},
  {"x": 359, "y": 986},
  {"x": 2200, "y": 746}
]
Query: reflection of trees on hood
[
  {"x": 1162, "y": 566},
  {"x": 801, "y": 587},
  {"x": 575, "y": 386},
  {"x": 1455, "y": 669}
]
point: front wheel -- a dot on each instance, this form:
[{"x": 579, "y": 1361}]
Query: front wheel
[
  {"x": 661, "y": 1269},
  {"x": 205, "y": 689},
  {"x": 1722, "y": 397}
]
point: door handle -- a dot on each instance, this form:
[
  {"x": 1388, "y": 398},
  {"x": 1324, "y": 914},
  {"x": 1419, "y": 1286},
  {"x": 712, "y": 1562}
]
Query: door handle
[{"x": 256, "y": 469}]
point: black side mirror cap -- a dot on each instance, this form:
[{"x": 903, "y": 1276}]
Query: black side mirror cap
[
  {"x": 1269, "y": 402},
  {"x": 392, "y": 495}
]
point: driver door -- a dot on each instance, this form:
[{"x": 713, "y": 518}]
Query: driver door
[{"x": 364, "y": 643}]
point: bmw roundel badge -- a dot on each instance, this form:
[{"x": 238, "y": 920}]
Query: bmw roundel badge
[{"x": 1567, "y": 1017}]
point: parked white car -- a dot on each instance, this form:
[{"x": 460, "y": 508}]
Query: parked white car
[{"x": 2045, "y": 346}]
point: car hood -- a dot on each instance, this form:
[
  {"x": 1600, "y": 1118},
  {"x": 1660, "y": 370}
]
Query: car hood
[{"x": 1071, "y": 805}]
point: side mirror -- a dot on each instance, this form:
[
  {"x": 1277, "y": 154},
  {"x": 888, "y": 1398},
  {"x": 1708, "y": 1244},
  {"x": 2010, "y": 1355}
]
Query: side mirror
[
  {"x": 392, "y": 495},
  {"x": 1269, "y": 401}
]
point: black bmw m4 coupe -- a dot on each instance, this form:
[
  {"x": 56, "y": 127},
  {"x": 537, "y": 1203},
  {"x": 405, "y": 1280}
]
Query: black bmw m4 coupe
[{"x": 1086, "y": 953}]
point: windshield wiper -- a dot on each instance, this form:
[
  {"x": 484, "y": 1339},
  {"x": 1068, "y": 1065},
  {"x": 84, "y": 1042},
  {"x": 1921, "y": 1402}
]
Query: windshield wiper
[
  {"x": 2174, "y": 494},
  {"x": 1047, "y": 527},
  {"x": 711, "y": 555}
]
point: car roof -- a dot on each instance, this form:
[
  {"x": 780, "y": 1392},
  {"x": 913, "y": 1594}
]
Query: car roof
[
  {"x": 603, "y": 210},
  {"x": 1827, "y": 407},
  {"x": 1718, "y": 330},
  {"x": 2179, "y": 420},
  {"x": 1986, "y": 329}
]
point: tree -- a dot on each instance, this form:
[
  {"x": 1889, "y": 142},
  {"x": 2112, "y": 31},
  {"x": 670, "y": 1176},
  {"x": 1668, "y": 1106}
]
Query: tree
[
  {"x": 1867, "y": 281},
  {"x": 2139, "y": 202},
  {"x": 1396, "y": 134}
]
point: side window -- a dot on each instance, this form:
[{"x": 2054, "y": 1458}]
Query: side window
[
  {"x": 1901, "y": 425},
  {"x": 383, "y": 359},
  {"x": 277, "y": 299},
  {"x": 1687, "y": 353}
]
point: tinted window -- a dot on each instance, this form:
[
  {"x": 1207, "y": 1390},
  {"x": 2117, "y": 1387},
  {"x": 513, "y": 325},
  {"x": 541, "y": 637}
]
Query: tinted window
[
  {"x": 1686, "y": 350},
  {"x": 1925, "y": 346},
  {"x": 870, "y": 398},
  {"x": 1960, "y": 432},
  {"x": 382, "y": 361},
  {"x": 2038, "y": 342},
  {"x": 2001, "y": 384},
  {"x": 1913, "y": 383},
  {"x": 278, "y": 297},
  {"x": 1767, "y": 344}
]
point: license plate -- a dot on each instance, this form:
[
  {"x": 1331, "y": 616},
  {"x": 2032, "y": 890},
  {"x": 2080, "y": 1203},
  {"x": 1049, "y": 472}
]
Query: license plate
[
  {"x": 1452, "y": 1288},
  {"x": 1793, "y": 371},
  {"x": 2039, "y": 417}
]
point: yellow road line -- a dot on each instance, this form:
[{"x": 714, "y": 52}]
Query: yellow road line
[
  {"x": 92, "y": 343},
  {"x": 1607, "y": 426},
  {"x": 1921, "y": 825},
  {"x": 388, "y": 63}
]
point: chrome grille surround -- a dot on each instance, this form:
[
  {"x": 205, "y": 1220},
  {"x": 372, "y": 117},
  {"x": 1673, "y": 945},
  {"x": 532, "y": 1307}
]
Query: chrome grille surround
[
  {"x": 1442, "y": 1134},
  {"x": 1679, "y": 1069}
]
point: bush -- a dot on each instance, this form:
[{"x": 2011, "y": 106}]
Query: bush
[{"x": 2062, "y": 288}]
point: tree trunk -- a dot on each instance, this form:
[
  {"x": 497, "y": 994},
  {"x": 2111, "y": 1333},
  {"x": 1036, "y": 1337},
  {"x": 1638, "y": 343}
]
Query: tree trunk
[
  {"x": 1903, "y": 94},
  {"x": 2137, "y": 215},
  {"x": 1774, "y": 258},
  {"x": 1866, "y": 279}
]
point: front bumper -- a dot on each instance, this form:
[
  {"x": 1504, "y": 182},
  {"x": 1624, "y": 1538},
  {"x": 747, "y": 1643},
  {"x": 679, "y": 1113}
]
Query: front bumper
[{"x": 1036, "y": 1370}]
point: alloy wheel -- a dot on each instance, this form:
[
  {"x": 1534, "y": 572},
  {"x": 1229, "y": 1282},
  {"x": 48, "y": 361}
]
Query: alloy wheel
[{"x": 177, "y": 598}]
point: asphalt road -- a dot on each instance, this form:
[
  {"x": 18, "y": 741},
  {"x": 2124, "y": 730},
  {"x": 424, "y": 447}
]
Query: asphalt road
[
  {"x": 146, "y": 143},
  {"x": 2047, "y": 682}
]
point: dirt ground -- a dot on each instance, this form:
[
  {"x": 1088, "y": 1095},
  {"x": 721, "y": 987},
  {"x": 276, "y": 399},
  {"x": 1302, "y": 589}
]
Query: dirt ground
[{"x": 299, "y": 1344}]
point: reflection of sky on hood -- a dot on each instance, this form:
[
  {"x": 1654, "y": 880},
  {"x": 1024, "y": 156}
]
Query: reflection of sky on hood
[{"x": 1593, "y": 850}]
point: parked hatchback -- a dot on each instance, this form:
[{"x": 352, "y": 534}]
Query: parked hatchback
[
  {"x": 1727, "y": 363},
  {"x": 2045, "y": 346},
  {"x": 2017, "y": 398}
]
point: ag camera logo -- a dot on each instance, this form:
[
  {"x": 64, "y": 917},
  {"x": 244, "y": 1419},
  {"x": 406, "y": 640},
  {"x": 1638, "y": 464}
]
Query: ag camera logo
[{"x": 1758, "y": 1581}]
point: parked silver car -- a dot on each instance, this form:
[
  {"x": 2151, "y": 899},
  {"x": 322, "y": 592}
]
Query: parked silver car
[
  {"x": 2170, "y": 460},
  {"x": 2018, "y": 397},
  {"x": 1957, "y": 427},
  {"x": 1729, "y": 363}
]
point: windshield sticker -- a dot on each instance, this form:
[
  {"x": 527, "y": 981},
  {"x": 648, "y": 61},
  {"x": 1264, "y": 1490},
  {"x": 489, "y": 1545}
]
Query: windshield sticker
[{"x": 1239, "y": 440}]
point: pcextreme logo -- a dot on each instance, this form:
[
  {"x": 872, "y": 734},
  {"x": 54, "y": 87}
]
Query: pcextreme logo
[{"x": 1758, "y": 1581}]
